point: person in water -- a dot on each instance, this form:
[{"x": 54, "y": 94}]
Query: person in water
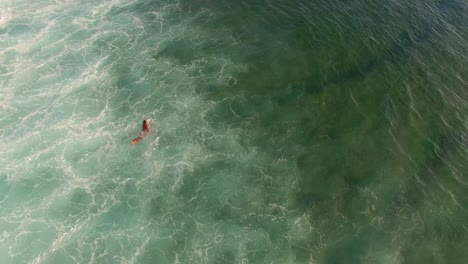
[{"x": 144, "y": 131}]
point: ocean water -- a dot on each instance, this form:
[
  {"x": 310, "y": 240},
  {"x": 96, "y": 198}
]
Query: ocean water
[{"x": 281, "y": 131}]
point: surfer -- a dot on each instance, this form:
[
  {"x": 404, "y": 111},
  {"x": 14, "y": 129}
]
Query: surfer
[{"x": 144, "y": 131}]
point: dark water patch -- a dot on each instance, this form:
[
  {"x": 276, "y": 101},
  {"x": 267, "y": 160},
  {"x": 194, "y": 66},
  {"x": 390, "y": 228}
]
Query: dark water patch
[
  {"x": 72, "y": 207},
  {"x": 298, "y": 66},
  {"x": 4, "y": 187},
  {"x": 138, "y": 7},
  {"x": 419, "y": 189},
  {"x": 348, "y": 98},
  {"x": 257, "y": 256},
  {"x": 18, "y": 29},
  {"x": 226, "y": 257},
  {"x": 349, "y": 249},
  {"x": 182, "y": 50},
  {"x": 342, "y": 141},
  {"x": 194, "y": 48},
  {"x": 409, "y": 40},
  {"x": 430, "y": 247},
  {"x": 160, "y": 251}
]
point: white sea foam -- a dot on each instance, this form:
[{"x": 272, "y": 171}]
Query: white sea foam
[{"x": 81, "y": 125}]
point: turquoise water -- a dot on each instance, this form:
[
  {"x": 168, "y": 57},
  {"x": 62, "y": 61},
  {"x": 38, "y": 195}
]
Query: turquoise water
[{"x": 281, "y": 131}]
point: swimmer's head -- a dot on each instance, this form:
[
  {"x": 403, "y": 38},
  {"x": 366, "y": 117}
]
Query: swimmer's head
[{"x": 146, "y": 124}]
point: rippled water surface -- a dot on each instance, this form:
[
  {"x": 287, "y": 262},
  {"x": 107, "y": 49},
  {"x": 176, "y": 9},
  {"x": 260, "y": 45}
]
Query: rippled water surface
[{"x": 281, "y": 131}]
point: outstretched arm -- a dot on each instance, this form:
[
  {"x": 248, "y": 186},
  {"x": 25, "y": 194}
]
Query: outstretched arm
[{"x": 135, "y": 140}]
